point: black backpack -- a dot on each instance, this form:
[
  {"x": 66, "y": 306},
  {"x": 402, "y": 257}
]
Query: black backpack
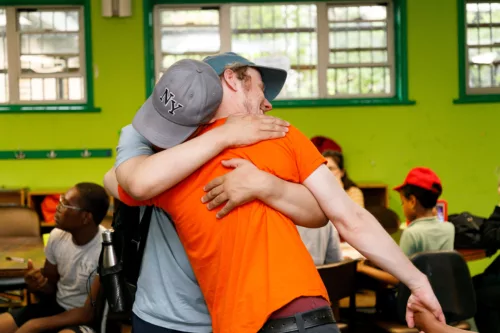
[
  {"x": 129, "y": 236},
  {"x": 468, "y": 231}
]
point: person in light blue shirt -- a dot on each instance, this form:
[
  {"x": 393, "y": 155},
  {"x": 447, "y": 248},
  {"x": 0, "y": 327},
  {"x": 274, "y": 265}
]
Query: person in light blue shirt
[{"x": 167, "y": 291}]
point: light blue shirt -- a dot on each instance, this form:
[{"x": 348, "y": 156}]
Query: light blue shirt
[
  {"x": 427, "y": 234},
  {"x": 167, "y": 294}
]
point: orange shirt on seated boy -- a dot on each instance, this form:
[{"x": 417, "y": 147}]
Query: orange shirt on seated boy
[{"x": 252, "y": 262}]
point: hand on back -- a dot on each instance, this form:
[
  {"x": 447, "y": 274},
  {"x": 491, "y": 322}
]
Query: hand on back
[{"x": 244, "y": 130}]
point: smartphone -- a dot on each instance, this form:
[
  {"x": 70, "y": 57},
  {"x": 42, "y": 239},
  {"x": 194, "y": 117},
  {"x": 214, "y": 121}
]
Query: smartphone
[{"x": 442, "y": 210}]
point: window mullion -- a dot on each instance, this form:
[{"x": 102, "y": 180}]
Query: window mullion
[
  {"x": 13, "y": 54},
  {"x": 225, "y": 28},
  {"x": 323, "y": 48},
  {"x": 391, "y": 54},
  {"x": 82, "y": 50}
]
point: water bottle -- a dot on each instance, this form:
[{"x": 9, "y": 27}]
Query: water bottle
[
  {"x": 111, "y": 275},
  {"x": 108, "y": 252}
]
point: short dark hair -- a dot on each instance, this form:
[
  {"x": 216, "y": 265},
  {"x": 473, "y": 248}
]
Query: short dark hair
[
  {"x": 428, "y": 199},
  {"x": 339, "y": 160},
  {"x": 93, "y": 199}
]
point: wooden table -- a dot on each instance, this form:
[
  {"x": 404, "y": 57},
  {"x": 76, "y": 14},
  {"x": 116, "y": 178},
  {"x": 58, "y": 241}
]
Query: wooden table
[
  {"x": 21, "y": 247},
  {"x": 472, "y": 254}
]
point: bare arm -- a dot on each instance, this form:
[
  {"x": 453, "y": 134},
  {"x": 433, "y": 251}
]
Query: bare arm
[
  {"x": 360, "y": 229},
  {"x": 111, "y": 183},
  {"x": 246, "y": 183},
  {"x": 144, "y": 177},
  {"x": 73, "y": 317}
]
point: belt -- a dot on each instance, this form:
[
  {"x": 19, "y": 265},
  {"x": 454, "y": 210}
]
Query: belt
[{"x": 313, "y": 318}]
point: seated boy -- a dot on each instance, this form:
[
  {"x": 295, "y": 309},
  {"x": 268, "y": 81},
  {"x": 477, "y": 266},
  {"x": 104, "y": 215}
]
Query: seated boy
[
  {"x": 72, "y": 255},
  {"x": 419, "y": 194}
]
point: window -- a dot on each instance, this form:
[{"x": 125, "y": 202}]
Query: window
[
  {"x": 480, "y": 51},
  {"x": 285, "y": 34},
  {"x": 189, "y": 33},
  {"x": 338, "y": 53},
  {"x": 43, "y": 60},
  {"x": 360, "y": 63}
]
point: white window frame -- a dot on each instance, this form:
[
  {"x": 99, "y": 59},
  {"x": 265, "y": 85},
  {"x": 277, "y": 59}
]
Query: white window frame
[
  {"x": 468, "y": 89},
  {"x": 14, "y": 57},
  {"x": 322, "y": 40}
]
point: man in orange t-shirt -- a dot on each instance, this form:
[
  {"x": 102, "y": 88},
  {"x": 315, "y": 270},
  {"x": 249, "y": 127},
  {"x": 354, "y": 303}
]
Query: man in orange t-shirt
[
  {"x": 252, "y": 267},
  {"x": 252, "y": 262}
]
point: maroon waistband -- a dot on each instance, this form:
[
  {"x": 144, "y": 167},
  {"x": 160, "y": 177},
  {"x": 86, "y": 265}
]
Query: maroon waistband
[{"x": 300, "y": 304}]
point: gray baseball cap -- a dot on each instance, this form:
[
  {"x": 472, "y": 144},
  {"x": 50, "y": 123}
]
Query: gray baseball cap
[{"x": 186, "y": 96}]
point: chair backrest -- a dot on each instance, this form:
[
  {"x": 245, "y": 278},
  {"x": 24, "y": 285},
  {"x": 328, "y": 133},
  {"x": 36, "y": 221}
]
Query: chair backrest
[
  {"x": 450, "y": 279},
  {"x": 386, "y": 217},
  {"x": 19, "y": 221},
  {"x": 339, "y": 279}
]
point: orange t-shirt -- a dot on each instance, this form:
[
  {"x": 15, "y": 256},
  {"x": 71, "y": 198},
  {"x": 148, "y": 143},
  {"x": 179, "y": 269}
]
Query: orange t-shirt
[{"x": 251, "y": 262}]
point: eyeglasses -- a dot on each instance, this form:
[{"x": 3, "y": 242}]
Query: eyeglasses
[{"x": 67, "y": 206}]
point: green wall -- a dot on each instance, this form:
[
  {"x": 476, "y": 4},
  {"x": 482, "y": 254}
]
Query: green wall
[{"x": 460, "y": 142}]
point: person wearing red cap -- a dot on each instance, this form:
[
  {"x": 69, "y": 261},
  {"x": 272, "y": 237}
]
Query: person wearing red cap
[{"x": 419, "y": 194}]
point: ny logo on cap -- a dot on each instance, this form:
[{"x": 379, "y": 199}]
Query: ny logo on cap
[{"x": 168, "y": 97}]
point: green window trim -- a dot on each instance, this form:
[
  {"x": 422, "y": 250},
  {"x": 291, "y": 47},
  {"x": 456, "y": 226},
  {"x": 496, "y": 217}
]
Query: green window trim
[
  {"x": 463, "y": 96},
  {"x": 89, "y": 80},
  {"x": 55, "y": 154},
  {"x": 400, "y": 55}
]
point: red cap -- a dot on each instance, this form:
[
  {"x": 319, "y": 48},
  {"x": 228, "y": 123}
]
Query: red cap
[
  {"x": 421, "y": 177},
  {"x": 323, "y": 144}
]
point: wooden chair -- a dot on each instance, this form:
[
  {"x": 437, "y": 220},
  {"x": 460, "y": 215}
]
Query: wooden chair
[
  {"x": 340, "y": 282},
  {"x": 450, "y": 279},
  {"x": 19, "y": 221}
]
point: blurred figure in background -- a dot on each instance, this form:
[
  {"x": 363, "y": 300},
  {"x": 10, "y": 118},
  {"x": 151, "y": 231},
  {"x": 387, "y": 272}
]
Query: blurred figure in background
[{"x": 335, "y": 162}]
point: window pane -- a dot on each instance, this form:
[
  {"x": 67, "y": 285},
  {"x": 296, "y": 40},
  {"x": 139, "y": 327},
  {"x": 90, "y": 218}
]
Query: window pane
[
  {"x": 61, "y": 43},
  {"x": 192, "y": 33},
  {"x": 49, "y": 64},
  {"x": 51, "y": 89},
  {"x": 50, "y": 55},
  {"x": 190, "y": 40},
  {"x": 189, "y": 17},
  {"x": 483, "y": 35},
  {"x": 169, "y": 59},
  {"x": 360, "y": 80},
  {"x": 48, "y": 21},
  {"x": 281, "y": 35},
  {"x": 359, "y": 55}
]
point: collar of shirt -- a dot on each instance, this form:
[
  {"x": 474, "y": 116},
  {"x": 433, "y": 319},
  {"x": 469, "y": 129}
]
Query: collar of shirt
[{"x": 427, "y": 219}]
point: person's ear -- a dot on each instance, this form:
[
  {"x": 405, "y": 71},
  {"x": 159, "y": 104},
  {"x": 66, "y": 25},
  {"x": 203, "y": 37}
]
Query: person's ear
[
  {"x": 413, "y": 201},
  {"x": 87, "y": 218},
  {"x": 230, "y": 79}
]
